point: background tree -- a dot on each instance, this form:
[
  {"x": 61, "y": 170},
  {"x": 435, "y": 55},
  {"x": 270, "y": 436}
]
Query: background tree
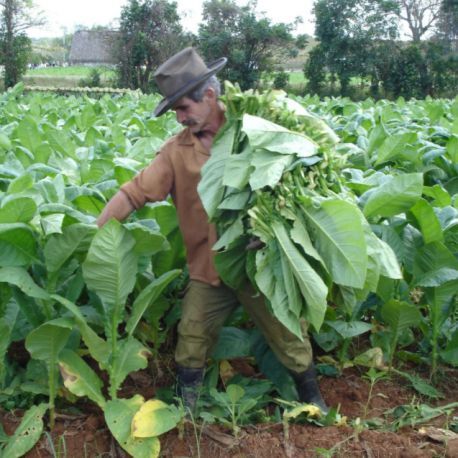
[
  {"x": 17, "y": 17},
  {"x": 150, "y": 32},
  {"x": 349, "y": 35},
  {"x": 447, "y": 24},
  {"x": 252, "y": 45},
  {"x": 421, "y": 16}
]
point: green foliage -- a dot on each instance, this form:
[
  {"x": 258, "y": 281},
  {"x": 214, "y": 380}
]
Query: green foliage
[
  {"x": 347, "y": 35},
  {"x": 15, "y": 52},
  {"x": 26, "y": 434},
  {"x": 291, "y": 199},
  {"x": 281, "y": 80},
  {"x": 235, "y": 404},
  {"x": 44, "y": 344},
  {"x": 15, "y": 46},
  {"x": 94, "y": 79},
  {"x": 361, "y": 42},
  {"x": 416, "y": 413},
  {"x": 251, "y": 45},
  {"x": 150, "y": 32},
  {"x": 61, "y": 158}
]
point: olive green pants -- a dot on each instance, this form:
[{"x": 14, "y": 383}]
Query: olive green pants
[{"x": 205, "y": 309}]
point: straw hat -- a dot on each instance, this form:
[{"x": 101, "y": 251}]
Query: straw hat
[{"x": 180, "y": 74}]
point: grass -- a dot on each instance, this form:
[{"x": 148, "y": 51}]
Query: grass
[
  {"x": 64, "y": 76},
  {"x": 80, "y": 71},
  {"x": 297, "y": 77}
]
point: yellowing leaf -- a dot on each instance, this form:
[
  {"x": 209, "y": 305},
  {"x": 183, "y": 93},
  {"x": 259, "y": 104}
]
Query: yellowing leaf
[
  {"x": 226, "y": 371},
  {"x": 310, "y": 409},
  {"x": 371, "y": 358},
  {"x": 154, "y": 418}
]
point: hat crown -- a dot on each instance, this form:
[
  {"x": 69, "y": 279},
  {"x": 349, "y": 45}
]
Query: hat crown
[
  {"x": 178, "y": 71},
  {"x": 182, "y": 73}
]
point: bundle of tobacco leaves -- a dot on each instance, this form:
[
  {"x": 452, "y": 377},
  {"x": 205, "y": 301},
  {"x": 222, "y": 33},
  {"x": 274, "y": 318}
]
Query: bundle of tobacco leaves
[{"x": 274, "y": 176}]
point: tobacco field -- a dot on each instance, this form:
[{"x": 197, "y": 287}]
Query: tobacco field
[{"x": 356, "y": 207}]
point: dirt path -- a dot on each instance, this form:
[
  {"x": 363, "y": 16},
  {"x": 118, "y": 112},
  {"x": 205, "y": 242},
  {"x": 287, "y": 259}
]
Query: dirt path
[{"x": 86, "y": 436}]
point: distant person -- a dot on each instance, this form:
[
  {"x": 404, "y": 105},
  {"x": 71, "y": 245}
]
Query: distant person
[{"x": 191, "y": 89}]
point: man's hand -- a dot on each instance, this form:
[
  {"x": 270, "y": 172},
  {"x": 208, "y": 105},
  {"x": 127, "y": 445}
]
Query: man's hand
[{"x": 119, "y": 207}]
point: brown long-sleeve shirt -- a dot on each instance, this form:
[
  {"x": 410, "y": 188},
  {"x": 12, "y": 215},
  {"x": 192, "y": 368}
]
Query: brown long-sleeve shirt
[{"x": 176, "y": 171}]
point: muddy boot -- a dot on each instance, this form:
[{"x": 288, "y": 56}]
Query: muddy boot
[
  {"x": 189, "y": 382},
  {"x": 308, "y": 389}
]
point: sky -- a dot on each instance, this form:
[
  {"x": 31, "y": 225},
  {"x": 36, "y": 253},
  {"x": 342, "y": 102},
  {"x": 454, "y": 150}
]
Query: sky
[{"x": 64, "y": 15}]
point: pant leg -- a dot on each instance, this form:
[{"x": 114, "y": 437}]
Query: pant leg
[
  {"x": 205, "y": 308},
  {"x": 294, "y": 354}
]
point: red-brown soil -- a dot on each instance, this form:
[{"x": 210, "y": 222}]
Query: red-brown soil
[{"x": 86, "y": 436}]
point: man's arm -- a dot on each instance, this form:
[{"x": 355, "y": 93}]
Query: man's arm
[{"x": 118, "y": 207}]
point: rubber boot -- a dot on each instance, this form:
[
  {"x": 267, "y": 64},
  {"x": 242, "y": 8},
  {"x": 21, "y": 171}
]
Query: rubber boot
[
  {"x": 308, "y": 389},
  {"x": 189, "y": 382}
]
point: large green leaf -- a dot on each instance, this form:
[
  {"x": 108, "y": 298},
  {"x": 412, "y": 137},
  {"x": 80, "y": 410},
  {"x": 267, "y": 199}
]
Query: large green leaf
[
  {"x": 18, "y": 210},
  {"x": 17, "y": 245},
  {"x": 148, "y": 238},
  {"x": 21, "y": 183},
  {"x": 19, "y": 277},
  {"x": 52, "y": 190},
  {"x": 67, "y": 210},
  {"x": 450, "y": 352},
  {"x": 230, "y": 263},
  {"x": 452, "y": 148},
  {"x": 396, "y": 195},
  {"x": 210, "y": 188},
  {"x": 393, "y": 146},
  {"x": 110, "y": 270},
  {"x": 268, "y": 168},
  {"x": 52, "y": 224},
  {"x": 61, "y": 142},
  {"x": 312, "y": 287},
  {"x": 263, "y": 134},
  {"x": 5, "y": 142},
  {"x": 27, "y": 433},
  {"x": 269, "y": 279},
  {"x": 7, "y": 323},
  {"x": 384, "y": 256},
  {"x": 427, "y": 221},
  {"x": 147, "y": 297},
  {"x": 237, "y": 169},
  {"x": 431, "y": 260},
  {"x": 130, "y": 357},
  {"x": 399, "y": 316},
  {"x": 119, "y": 415},
  {"x": 29, "y": 134},
  {"x": 349, "y": 329},
  {"x": 45, "y": 343},
  {"x": 291, "y": 286},
  {"x": 336, "y": 230},
  {"x": 79, "y": 378},
  {"x": 230, "y": 235},
  {"x": 60, "y": 247},
  {"x": 98, "y": 348}
]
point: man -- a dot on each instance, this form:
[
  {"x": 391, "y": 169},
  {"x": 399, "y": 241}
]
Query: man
[{"x": 191, "y": 89}]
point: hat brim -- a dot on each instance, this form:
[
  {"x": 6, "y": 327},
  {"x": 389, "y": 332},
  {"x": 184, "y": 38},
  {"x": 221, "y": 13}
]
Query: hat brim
[{"x": 167, "y": 102}]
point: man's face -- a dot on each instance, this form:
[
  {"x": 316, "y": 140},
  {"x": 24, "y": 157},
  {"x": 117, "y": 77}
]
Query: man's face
[{"x": 194, "y": 115}]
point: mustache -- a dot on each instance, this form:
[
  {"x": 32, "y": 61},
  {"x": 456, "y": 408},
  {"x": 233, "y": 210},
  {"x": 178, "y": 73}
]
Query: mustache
[{"x": 189, "y": 123}]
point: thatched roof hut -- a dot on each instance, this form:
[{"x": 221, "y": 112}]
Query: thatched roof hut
[{"x": 93, "y": 47}]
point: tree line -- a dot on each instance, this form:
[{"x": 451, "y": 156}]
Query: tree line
[
  {"x": 365, "y": 42},
  {"x": 382, "y": 48}
]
